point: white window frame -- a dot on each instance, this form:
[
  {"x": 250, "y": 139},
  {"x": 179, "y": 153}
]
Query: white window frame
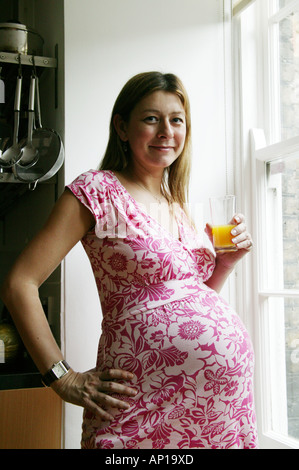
[
  {"x": 271, "y": 363},
  {"x": 252, "y": 71}
]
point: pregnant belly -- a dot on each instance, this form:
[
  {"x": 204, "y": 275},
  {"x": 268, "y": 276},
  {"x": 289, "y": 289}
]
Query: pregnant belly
[
  {"x": 195, "y": 343},
  {"x": 193, "y": 365}
]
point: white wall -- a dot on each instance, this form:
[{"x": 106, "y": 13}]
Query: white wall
[{"x": 106, "y": 42}]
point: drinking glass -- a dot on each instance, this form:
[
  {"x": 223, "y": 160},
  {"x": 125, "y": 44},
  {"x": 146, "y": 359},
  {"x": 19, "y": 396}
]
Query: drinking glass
[{"x": 223, "y": 210}]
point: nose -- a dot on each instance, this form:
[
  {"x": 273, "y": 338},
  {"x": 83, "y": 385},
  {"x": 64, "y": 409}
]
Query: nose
[{"x": 165, "y": 129}]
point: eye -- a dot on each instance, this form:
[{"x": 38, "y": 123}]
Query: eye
[
  {"x": 151, "y": 119},
  {"x": 178, "y": 120}
]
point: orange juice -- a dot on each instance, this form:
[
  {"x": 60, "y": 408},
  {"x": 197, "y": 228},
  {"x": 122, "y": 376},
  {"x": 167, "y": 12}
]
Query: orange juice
[{"x": 222, "y": 238}]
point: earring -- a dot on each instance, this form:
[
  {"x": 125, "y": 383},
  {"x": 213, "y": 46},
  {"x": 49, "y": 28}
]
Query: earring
[{"x": 125, "y": 147}]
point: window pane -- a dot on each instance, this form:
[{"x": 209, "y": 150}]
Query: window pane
[
  {"x": 282, "y": 324},
  {"x": 292, "y": 364},
  {"x": 276, "y": 5},
  {"x": 289, "y": 74},
  {"x": 283, "y": 223},
  {"x": 283, "y": 3}
]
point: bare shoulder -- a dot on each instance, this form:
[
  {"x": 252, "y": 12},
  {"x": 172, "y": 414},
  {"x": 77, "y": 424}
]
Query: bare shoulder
[
  {"x": 67, "y": 224},
  {"x": 71, "y": 212}
]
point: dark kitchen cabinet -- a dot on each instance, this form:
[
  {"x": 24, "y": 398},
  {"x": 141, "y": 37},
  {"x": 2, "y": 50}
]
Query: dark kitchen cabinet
[{"x": 30, "y": 414}]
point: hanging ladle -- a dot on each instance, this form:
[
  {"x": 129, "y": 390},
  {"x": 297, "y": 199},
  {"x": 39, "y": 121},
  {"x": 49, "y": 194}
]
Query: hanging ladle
[
  {"x": 13, "y": 154},
  {"x": 30, "y": 153}
]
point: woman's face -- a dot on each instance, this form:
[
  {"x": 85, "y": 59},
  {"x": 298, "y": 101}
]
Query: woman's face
[{"x": 156, "y": 130}]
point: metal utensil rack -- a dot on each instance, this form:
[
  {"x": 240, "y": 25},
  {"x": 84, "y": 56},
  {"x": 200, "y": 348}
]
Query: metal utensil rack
[
  {"x": 29, "y": 60},
  {"x": 13, "y": 58}
]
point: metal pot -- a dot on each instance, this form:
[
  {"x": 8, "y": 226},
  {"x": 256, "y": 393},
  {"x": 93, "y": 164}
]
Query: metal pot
[{"x": 15, "y": 37}]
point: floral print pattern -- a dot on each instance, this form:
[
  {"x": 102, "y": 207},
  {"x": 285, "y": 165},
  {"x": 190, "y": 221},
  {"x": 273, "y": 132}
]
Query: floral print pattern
[{"x": 191, "y": 354}]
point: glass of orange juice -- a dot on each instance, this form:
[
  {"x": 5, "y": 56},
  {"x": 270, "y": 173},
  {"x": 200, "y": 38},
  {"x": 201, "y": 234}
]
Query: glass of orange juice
[{"x": 223, "y": 210}]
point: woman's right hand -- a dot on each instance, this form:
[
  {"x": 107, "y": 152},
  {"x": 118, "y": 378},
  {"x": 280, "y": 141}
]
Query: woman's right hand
[{"x": 92, "y": 390}]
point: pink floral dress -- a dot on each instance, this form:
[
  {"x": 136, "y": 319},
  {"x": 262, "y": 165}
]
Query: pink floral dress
[{"x": 191, "y": 355}]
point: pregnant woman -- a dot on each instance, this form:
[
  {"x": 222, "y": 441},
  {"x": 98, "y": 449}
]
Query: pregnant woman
[{"x": 175, "y": 363}]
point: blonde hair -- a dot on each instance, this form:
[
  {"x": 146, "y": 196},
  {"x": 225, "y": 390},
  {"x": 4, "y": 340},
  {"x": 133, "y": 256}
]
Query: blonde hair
[{"x": 176, "y": 177}]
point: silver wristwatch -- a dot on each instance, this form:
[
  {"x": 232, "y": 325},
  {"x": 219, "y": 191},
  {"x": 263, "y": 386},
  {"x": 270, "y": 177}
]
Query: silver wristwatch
[{"x": 57, "y": 371}]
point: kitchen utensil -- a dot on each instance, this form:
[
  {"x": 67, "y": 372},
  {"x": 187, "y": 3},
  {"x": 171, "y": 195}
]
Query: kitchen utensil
[
  {"x": 16, "y": 37},
  {"x": 13, "y": 154},
  {"x": 2, "y": 88},
  {"x": 50, "y": 149},
  {"x": 30, "y": 152}
]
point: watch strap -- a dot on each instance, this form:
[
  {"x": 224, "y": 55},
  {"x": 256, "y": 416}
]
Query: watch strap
[{"x": 52, "y": 374}]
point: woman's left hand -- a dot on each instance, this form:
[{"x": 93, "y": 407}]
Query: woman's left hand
[{"x": 240, "y": 237}]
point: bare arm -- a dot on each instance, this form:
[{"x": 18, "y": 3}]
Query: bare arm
[
  {"x": 68, "y": 223},
  {"x": 225, "y": 262}
]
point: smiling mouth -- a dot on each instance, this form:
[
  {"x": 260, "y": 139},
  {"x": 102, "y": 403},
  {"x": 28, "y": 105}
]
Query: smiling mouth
[{"x": 161, "y": 147}]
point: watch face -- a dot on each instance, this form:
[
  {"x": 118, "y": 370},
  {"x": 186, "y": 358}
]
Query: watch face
[{"x": 59, "y": 370}]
